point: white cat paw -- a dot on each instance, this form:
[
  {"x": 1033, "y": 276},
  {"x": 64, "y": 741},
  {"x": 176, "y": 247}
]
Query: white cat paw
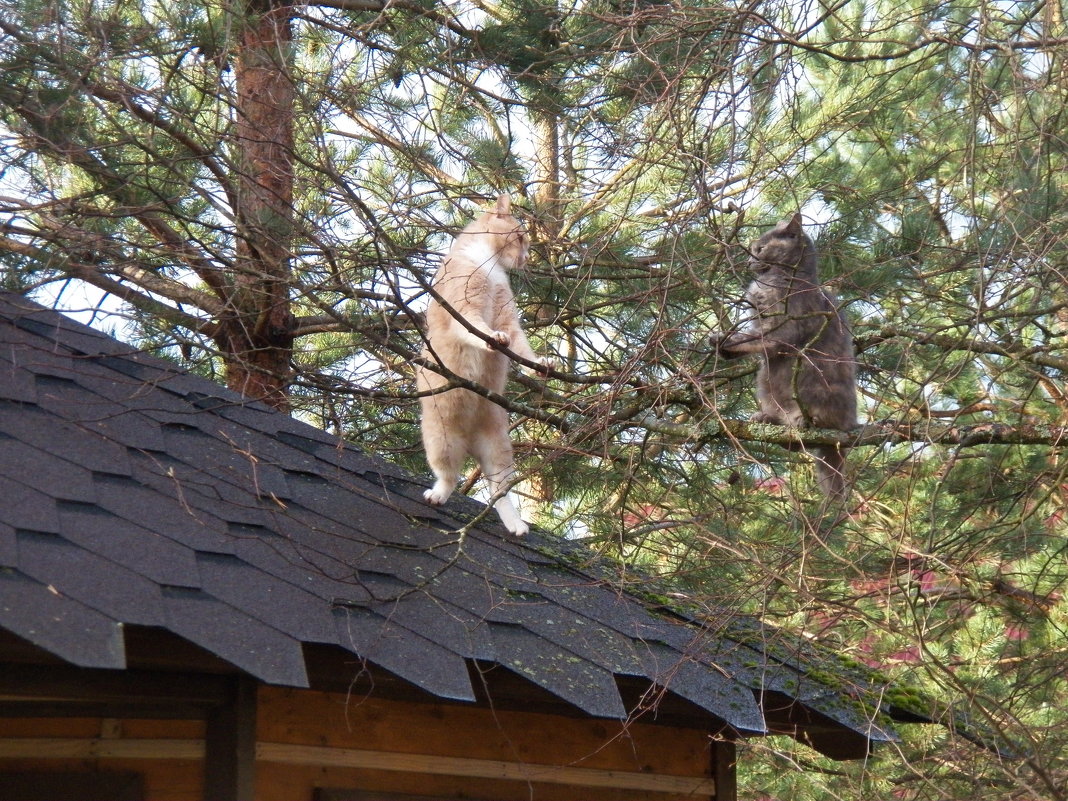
[
  {"x": 434, "y": 498},
  {"x": 545, "y": 364},
  {"x": 501, "y": 338},
  {"x": 521, "y": 529}
]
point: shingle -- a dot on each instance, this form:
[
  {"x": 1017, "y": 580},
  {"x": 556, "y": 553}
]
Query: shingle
[
  {"x": 38, "y": 613},
  {"x": 416, "y": 659},
  {"x": 322, "y": 496},
  {"x": 60, "y": 392},
  {"x": 312, "y": 572},
  {"x": 16, "y": 385},
  {"x": 36, "y": 357},
  {"x": 284, "y": 606},
  {"x": 197, "y": 492},
  {"x": 416, "y": 566},
  {"x": 140, "y": 549},
  {"x": 576, "y": 680},
  {"x": 62, "y": 439},
  {"x": 293, "y": 461},
  {"x": 453, "y": 628},
  {"x": 26, "y": 507},
  {"x": 720, "y": 694},
  {"x": 405, "y": 498},
  {"x": 130, "y": 429},
  {"x": 388, "y": 523},
  {"x": 470, "y": 592},
  {"x": 610, "y": 606},
  {"x": 311, "y": 490},
  {"x": 249, "y": 415},
  {"x": 660, "y": 636},
  {"x": 107, "y": 389},
  {"x": 245, "y": 642},
  {"x": 133, "y": 366},
  {"x": 200, "y": 495},
  {"x": 53, "y": 327},
  {"x": 173, "y": 517},
  {"x": 566, "y": 630},
  {"x": 322, "y": 448},
  {"x": 68, "y": 399},
  {"x": 61, "y": 478},
  {"x": 488, "y": 555},
  {"x": 117, "y": 592}
]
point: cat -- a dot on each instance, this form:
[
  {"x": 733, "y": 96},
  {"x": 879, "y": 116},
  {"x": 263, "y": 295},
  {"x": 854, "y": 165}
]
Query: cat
[
  {"x": 458, "y": 423},
  {"x": 807, "y": 375}
]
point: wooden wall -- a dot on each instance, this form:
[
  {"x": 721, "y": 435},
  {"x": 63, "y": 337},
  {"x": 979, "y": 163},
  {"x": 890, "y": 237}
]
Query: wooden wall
[
  {"x": 319, "y": 745},
  {"x": 76, "y": 745}
]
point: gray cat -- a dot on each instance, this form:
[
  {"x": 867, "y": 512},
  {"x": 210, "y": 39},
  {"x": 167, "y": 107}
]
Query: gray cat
[{"x": 808, "y": 375}]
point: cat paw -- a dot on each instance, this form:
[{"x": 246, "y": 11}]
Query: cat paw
[
  {"x": 545, "y": 364},
  {"x": 521, "y": 529},
  {"x": 500, "y": 337},
  {"x": 721, "y": 345},
  {"x": 434, "y": 498}
]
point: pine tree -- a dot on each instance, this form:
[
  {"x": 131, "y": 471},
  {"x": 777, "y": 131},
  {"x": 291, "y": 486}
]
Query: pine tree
[{"x": 267, "y": 190}]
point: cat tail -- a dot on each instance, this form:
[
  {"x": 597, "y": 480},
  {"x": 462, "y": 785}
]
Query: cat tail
[{"x": 831, "y": 474}]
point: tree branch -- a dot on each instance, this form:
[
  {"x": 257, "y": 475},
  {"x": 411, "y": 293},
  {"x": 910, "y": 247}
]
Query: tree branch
[
  {"x": 883, "y": 433},
  {"x": 1035, "y": 355},
  {"x": 416, "y": 9}
]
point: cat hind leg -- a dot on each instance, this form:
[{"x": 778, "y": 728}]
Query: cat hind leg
[
  {"x": 831, "y": 474},
  {"x": 495, "y": 458},
  {"x": 445, "y": 459}
]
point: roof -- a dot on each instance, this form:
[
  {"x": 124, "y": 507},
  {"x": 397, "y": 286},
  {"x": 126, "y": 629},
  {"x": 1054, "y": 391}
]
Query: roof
[{"x": 139, "y": 495}]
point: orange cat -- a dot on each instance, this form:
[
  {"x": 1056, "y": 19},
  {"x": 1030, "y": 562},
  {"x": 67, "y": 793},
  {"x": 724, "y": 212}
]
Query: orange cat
[{"x": 458, "y": 423}]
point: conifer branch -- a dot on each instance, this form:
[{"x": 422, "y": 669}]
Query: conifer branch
[{"x": 888, "y": 433}]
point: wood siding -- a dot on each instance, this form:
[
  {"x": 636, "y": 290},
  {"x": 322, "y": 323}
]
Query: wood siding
[{"x": 308, "y": 740}]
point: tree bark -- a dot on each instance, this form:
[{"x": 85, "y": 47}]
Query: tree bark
[{"x": 256, "y": 328}]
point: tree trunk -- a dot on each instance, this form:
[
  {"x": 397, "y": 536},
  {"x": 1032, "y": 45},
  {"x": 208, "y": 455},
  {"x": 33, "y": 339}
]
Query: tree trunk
[
  {"x": 538, "y": 488},
  {"x": 256, "y": 330}
]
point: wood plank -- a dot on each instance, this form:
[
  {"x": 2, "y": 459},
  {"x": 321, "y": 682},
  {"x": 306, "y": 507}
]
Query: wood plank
[
  {"x": 287, "y": 782},
  {"x": 97, "y": 748},
  {"x": 56, "y": 748},
  {"x": 482, "y": 768}
]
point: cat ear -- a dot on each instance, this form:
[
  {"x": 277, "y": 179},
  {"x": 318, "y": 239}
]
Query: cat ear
[
  {"x": 794, "y": 226},
  {"x": 504, "y": 205}
]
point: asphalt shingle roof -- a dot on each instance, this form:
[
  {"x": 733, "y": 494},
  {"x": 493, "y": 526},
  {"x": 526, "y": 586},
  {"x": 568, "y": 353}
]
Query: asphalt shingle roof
[{"x": 138, "y": 494}]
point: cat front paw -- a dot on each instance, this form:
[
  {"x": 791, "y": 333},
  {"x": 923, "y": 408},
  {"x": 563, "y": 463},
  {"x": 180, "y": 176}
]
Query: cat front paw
[
  {"x": 721, "y": 344},
  {"x": 500, "y": 337}
]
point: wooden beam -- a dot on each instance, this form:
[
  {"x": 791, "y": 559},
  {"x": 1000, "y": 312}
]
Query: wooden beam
[
  {"x": 725, "y": 769},
  {"x": 230, "y": 745},
  {"x": 129, "y": 690},
  {"x": 285, "y": 753}
]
